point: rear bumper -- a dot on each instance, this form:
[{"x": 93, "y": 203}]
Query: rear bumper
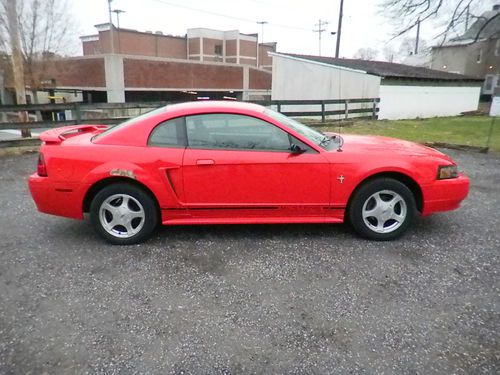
[
  {"x": 61, "y": 199},
  {"x": 445, "y": 195}
]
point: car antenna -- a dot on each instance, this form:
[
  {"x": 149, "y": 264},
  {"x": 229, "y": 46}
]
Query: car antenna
[{"x": 341, "y": 140}]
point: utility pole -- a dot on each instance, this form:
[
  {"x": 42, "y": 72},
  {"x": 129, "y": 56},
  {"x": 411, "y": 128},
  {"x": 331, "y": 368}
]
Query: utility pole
[
  {"x": 262, "y": 23},
  {"x": 118, "y": 12},
  {"x": 418, "y": 37},
  {"x": 339, "y": 28},
  {"x": 467, "y": 15},
  {"x": 17, "y": 61},
  {"x": 320, "y": 30},
  {"x": 111, "y": 36}
]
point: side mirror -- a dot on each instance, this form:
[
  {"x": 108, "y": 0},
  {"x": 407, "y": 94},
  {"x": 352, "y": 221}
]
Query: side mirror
[{"x": 296, "y": 149}]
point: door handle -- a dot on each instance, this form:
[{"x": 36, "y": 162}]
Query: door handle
[{"x": 205, "y": 162}]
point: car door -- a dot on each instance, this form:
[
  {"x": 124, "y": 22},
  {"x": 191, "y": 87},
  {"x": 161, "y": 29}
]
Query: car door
[{"x": 237, "y": 162}]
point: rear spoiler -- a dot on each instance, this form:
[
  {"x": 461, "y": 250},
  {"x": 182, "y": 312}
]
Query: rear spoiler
[{"x": 58, "y": 135}]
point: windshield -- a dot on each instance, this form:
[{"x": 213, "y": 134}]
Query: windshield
[
  {"x": 132, "y": 121},
  {"x": 314, "y": 136}
]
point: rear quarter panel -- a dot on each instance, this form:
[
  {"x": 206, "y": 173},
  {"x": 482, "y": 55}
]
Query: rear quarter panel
[{"x": 79, "y": 165}]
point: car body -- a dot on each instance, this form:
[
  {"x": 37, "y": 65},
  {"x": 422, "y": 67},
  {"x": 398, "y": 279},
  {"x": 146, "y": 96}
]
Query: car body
[{"x": 216, "y": 162}]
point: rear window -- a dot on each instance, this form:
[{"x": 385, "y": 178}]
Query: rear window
[{"x": 132, "y": 121}]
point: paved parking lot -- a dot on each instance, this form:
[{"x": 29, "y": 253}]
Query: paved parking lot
[{"x": 251, "y": 299}]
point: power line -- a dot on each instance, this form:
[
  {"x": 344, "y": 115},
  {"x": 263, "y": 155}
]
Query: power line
[{"x": 227, "y": 15}]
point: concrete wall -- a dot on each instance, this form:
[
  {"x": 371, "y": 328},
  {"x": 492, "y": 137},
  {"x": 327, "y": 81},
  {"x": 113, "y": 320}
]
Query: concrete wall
[{"x": 406, "y": 102}]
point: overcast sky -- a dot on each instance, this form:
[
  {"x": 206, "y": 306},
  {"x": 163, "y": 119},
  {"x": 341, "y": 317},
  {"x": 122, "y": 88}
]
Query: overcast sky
[{"x": 290, "y": 22}]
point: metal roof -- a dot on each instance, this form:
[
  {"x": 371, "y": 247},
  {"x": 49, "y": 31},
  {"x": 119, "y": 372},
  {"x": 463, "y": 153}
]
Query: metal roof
[{"x": 386, "y": 69}]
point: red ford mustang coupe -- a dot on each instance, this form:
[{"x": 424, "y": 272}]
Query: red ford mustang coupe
[{"x": 233, "y": 163}]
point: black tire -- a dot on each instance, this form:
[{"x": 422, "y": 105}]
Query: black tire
[
  {"x": 123, "y": 214},
  {"x": 382, "y": 209}
]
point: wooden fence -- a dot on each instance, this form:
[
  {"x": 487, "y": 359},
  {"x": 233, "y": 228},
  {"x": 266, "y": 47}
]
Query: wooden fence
[{"x": 113, "y": 113}]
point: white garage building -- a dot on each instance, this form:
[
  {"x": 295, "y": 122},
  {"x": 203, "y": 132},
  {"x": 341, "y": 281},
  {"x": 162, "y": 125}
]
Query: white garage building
[{"x": 405, "y": 91}]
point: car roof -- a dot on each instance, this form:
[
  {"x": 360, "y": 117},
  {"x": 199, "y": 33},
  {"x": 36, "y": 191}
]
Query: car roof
[{"x": 214, "y": 106}]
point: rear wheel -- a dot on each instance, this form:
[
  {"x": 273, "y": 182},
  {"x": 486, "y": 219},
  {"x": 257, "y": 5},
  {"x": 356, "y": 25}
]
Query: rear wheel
[
  {"x": 382, "y": 209},
  {"x": 123, "y": 214}
]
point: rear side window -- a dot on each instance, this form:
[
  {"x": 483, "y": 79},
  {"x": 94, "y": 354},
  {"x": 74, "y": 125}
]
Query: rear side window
[{"x": 170, "y": 133}]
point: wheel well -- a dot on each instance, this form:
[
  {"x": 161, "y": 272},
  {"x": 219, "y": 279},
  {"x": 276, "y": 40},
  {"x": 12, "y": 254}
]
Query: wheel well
[
  {"x": 99, "y": 185},
  {"x": 404, "y": 179}
]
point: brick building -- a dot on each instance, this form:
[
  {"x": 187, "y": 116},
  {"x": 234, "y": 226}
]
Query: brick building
[
  {"x": 198, "y": 44},
  {"x": 146, "y": 66}
]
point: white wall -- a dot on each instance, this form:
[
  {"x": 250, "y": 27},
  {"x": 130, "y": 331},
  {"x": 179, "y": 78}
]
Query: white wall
[
  {"x": 406, "y": 102},
  {"x": 295, "y": 79}
]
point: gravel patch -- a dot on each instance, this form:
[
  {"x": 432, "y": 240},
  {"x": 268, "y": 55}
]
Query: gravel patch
[{"x": 298, "y": 299}]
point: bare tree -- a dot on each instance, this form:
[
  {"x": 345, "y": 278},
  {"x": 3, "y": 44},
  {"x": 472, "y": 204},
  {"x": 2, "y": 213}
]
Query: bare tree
[
  {"x": 366, "y": 54},
  {"x": 45, "y": 30},
  {"x": 453, "y": 15},
  {"x": 407, "y": 47}
]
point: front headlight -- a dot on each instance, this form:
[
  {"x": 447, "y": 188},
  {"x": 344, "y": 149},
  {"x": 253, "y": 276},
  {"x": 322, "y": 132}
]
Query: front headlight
[{"x": 447, "y": 171}]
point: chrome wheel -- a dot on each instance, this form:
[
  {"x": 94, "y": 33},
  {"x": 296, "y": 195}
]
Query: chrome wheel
[
  {"x": 122, "y": 215},
  {"x": 384, "y": 211}
]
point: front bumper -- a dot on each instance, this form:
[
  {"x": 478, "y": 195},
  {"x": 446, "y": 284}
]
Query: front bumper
[
  {"x": 60, "y": 199},
  {"x": 444, "y": 195}
]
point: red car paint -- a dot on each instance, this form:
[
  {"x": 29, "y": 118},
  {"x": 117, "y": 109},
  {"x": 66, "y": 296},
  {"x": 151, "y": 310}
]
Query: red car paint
[{"x": 206, "y": 186}]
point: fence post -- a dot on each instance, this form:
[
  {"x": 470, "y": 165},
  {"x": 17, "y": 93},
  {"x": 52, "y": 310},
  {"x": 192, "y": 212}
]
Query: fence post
[
  {"x": 346, "y": 109},
  {"x": 278, "y": 107},
  {"x": 78, "y": 113},
  {"x": 374, "y": 111},
  {"x": 323, "y": 111}
]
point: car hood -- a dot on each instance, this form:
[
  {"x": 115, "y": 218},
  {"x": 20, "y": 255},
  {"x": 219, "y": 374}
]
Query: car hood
[{"x": 379, "y": 144}]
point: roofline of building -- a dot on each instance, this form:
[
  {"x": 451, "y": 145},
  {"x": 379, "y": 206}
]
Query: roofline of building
[
  {"x": 280, "y": 54},
  {"x": 466, "y": 79},
  {"x": 460, "y": 43},
  {"x": 102, "y": 27},
  {"x": 390, "y": 76}
]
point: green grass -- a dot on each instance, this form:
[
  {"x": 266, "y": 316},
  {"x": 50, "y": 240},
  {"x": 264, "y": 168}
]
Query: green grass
[{"x": 463, "y": 130}]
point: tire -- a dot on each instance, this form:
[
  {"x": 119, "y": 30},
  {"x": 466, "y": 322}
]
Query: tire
[
  {"x": 123, "y": 214},
  {"x": 382, "y": 209}
]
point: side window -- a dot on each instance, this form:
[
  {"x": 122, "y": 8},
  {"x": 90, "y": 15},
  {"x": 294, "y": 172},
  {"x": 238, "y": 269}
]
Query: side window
[
  {"x": 235, "y": 132},
  {"x": 169, "y": 134}
]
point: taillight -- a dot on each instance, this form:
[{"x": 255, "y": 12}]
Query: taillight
[{"x": 41, "y": 168}]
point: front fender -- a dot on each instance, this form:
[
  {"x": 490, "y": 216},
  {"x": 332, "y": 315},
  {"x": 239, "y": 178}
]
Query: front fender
[{"x": 355, "y": 174}]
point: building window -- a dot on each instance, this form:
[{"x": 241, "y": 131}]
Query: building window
[
  {"x": 218, "y": 49},
  {"x": 497, "y": 48},
  {"x": 479, "y": 56}
]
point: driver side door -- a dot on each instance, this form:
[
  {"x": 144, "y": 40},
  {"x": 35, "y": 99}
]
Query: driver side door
[{"x": 241, "y": 162}]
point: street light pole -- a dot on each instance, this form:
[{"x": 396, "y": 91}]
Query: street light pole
[
  {"x": 118, "y": 12},
  {"x": 262, "y": 23},
  {"x": 111, "y": 27},
  {"x": 332, "y": 33}
]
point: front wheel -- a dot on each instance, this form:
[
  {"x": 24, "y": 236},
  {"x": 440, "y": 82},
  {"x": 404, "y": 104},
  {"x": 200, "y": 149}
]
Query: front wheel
[
  {"x": 382, "y": 209},
  {"x": 123, "y": 214}
]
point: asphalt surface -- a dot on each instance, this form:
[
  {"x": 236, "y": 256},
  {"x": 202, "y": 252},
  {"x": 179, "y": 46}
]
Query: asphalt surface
[{"x": 299, "y": 299}]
